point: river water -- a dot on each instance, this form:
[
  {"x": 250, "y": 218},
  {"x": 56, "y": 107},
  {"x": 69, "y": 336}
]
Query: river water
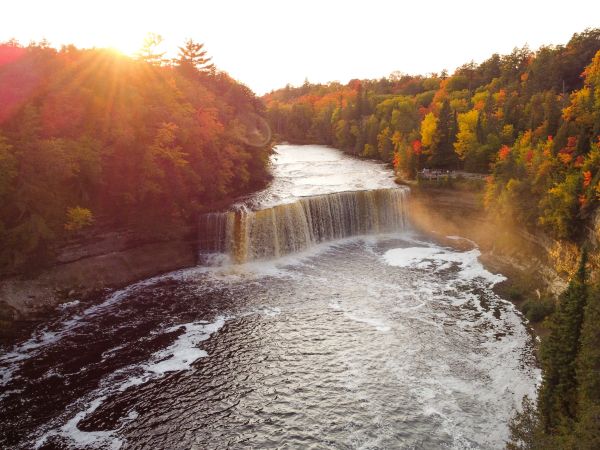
[{"x": 360, "y": 333}]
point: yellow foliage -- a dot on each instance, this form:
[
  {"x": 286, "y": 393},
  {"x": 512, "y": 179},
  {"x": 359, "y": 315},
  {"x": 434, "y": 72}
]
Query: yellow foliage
[
  {"x": 428, "y": 129},
  {"x": 466, "y": 139},
  {"x": 78, "y": 218}
]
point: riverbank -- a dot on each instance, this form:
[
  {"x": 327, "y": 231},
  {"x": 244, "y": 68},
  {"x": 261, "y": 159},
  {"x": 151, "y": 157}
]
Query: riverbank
[
  {"x": 537, "y": 267},
  {"x": 106, "y": 261}
]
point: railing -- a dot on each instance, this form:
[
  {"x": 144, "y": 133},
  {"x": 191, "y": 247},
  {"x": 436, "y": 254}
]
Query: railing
[{"x": 436, "y": 174}]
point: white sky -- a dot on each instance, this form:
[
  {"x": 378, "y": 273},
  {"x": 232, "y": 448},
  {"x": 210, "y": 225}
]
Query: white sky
[{"x": 266, "y": 44}]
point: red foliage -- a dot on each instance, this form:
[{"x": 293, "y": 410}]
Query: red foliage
[
  {"x": 417, "y": 147},
  {"x": 10, "y": 53},
  {"x": 19, "y": 80},
  {"x": 529, "y": 156},
  {"x": 397, "y": 160},
  {"x": 503, "y": 152},
  {"x": 571, "y": 144}
]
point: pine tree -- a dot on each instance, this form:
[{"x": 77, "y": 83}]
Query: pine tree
[
  {"x": 558, "y": 394},
  {"x": 192, "y": 57},
  {"x": 587, "y": 432},
  {"x": 148, "y": 51}
]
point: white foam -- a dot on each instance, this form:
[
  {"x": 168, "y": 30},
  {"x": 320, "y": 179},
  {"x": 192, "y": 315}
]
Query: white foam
[
  {"x": 378, "y": 324},
  {"x": 106, "y": 439},
  {"x": 409, "y": 257},
  {"x": 68, "y": 305},
  {"x": 184, "y": 351},
  {"x": 32, "y": 347},
  {"x": 179, "y": 356},
  {"x": 440, "y": 258},
  {"x": 335, "y": 305}
]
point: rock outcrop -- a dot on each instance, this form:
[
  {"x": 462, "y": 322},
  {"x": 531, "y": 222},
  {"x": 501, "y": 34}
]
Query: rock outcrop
[{"x": 545, "y": 263}]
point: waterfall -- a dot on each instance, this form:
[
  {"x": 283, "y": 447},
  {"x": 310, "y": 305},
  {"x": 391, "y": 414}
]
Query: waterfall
[{"x": 292, "y": 227}]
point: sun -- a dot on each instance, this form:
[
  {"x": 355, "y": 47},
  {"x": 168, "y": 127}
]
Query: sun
[{"x": 126, "y": 43}]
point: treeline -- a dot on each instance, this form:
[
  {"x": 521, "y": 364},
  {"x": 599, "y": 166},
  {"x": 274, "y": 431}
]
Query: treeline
[
  {"x": 91, "y": 136},
  {"x": 567, "y": 412},
  {"x": 530, "y": 119}
]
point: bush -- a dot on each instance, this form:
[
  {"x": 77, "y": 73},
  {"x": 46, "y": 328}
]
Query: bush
[{"x": 537, "y": 310}]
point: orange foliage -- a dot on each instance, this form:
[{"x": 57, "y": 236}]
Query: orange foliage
[
  {"x": 423, "y": 111},
  {"x": 587, "y": 178},
  {"x": 501, "y": 97},
  {"x": 565, "y": 158},
  {"x": 417, "y": 147},
  {"x": 397, "y": 160},
  {"x": 503, "y": 152}
]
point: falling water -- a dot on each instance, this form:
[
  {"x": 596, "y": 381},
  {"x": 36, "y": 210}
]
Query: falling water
[{"x": 289, "y": 228}]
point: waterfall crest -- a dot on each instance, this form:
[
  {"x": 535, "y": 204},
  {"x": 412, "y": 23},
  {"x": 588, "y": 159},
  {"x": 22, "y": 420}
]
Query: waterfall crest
[{"x": 289, "y": 228}]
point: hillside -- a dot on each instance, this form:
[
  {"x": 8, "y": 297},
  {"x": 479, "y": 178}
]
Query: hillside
[{"x": 93, "y": 139}]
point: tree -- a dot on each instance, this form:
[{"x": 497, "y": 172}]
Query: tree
[
  {"x": 525, "y": 430},
  {"x": 587, "y": 430},
  {"x": 428, "y": 130},
  {"x": 466, "y": 139},
  {"x": 78, "y": 218},
  {"x": 442, "y": 154},
  {"x": 558, "y": 393},
  {"x": 142, "y": 149},
  {"x": 148, "y": 53},
  {"x": 192, "y": 57}
]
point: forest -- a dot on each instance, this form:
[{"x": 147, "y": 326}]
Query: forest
[
  {"x": 567, "y": 412},
  {"x": 529, "y": 119},
  {"x": 530, "y": 122},
  {"x": 89, "y": 137}
]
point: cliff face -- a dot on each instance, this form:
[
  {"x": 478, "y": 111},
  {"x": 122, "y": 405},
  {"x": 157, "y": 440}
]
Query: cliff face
[
  {"x": 545, "y": 263},
  {"x": 106, "y": 260}
]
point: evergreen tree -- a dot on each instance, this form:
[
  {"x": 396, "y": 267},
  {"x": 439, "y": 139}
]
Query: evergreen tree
[
  {"x": 148, "y": 53},
  {"x": 192, "y": 57},
  {"x": 587, "y": 432},
  {"x": 525, "y": 430},
  {"x": 558, "y": 393}
]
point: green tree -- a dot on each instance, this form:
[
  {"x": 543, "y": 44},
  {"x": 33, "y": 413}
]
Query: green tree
[
  {"x": 587, "y": 430},
  {"x": 558, "y": 392}
]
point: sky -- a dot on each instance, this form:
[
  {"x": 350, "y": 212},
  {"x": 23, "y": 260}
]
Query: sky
[{"x": 268, "y": 44}]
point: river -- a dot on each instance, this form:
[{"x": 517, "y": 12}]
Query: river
[{"x": 317, "y": 319}]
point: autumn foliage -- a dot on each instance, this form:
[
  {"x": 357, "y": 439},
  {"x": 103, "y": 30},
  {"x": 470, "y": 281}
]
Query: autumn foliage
[
  {"x": 529, "y": 119},
  {"x": 93, "y": 137}
]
